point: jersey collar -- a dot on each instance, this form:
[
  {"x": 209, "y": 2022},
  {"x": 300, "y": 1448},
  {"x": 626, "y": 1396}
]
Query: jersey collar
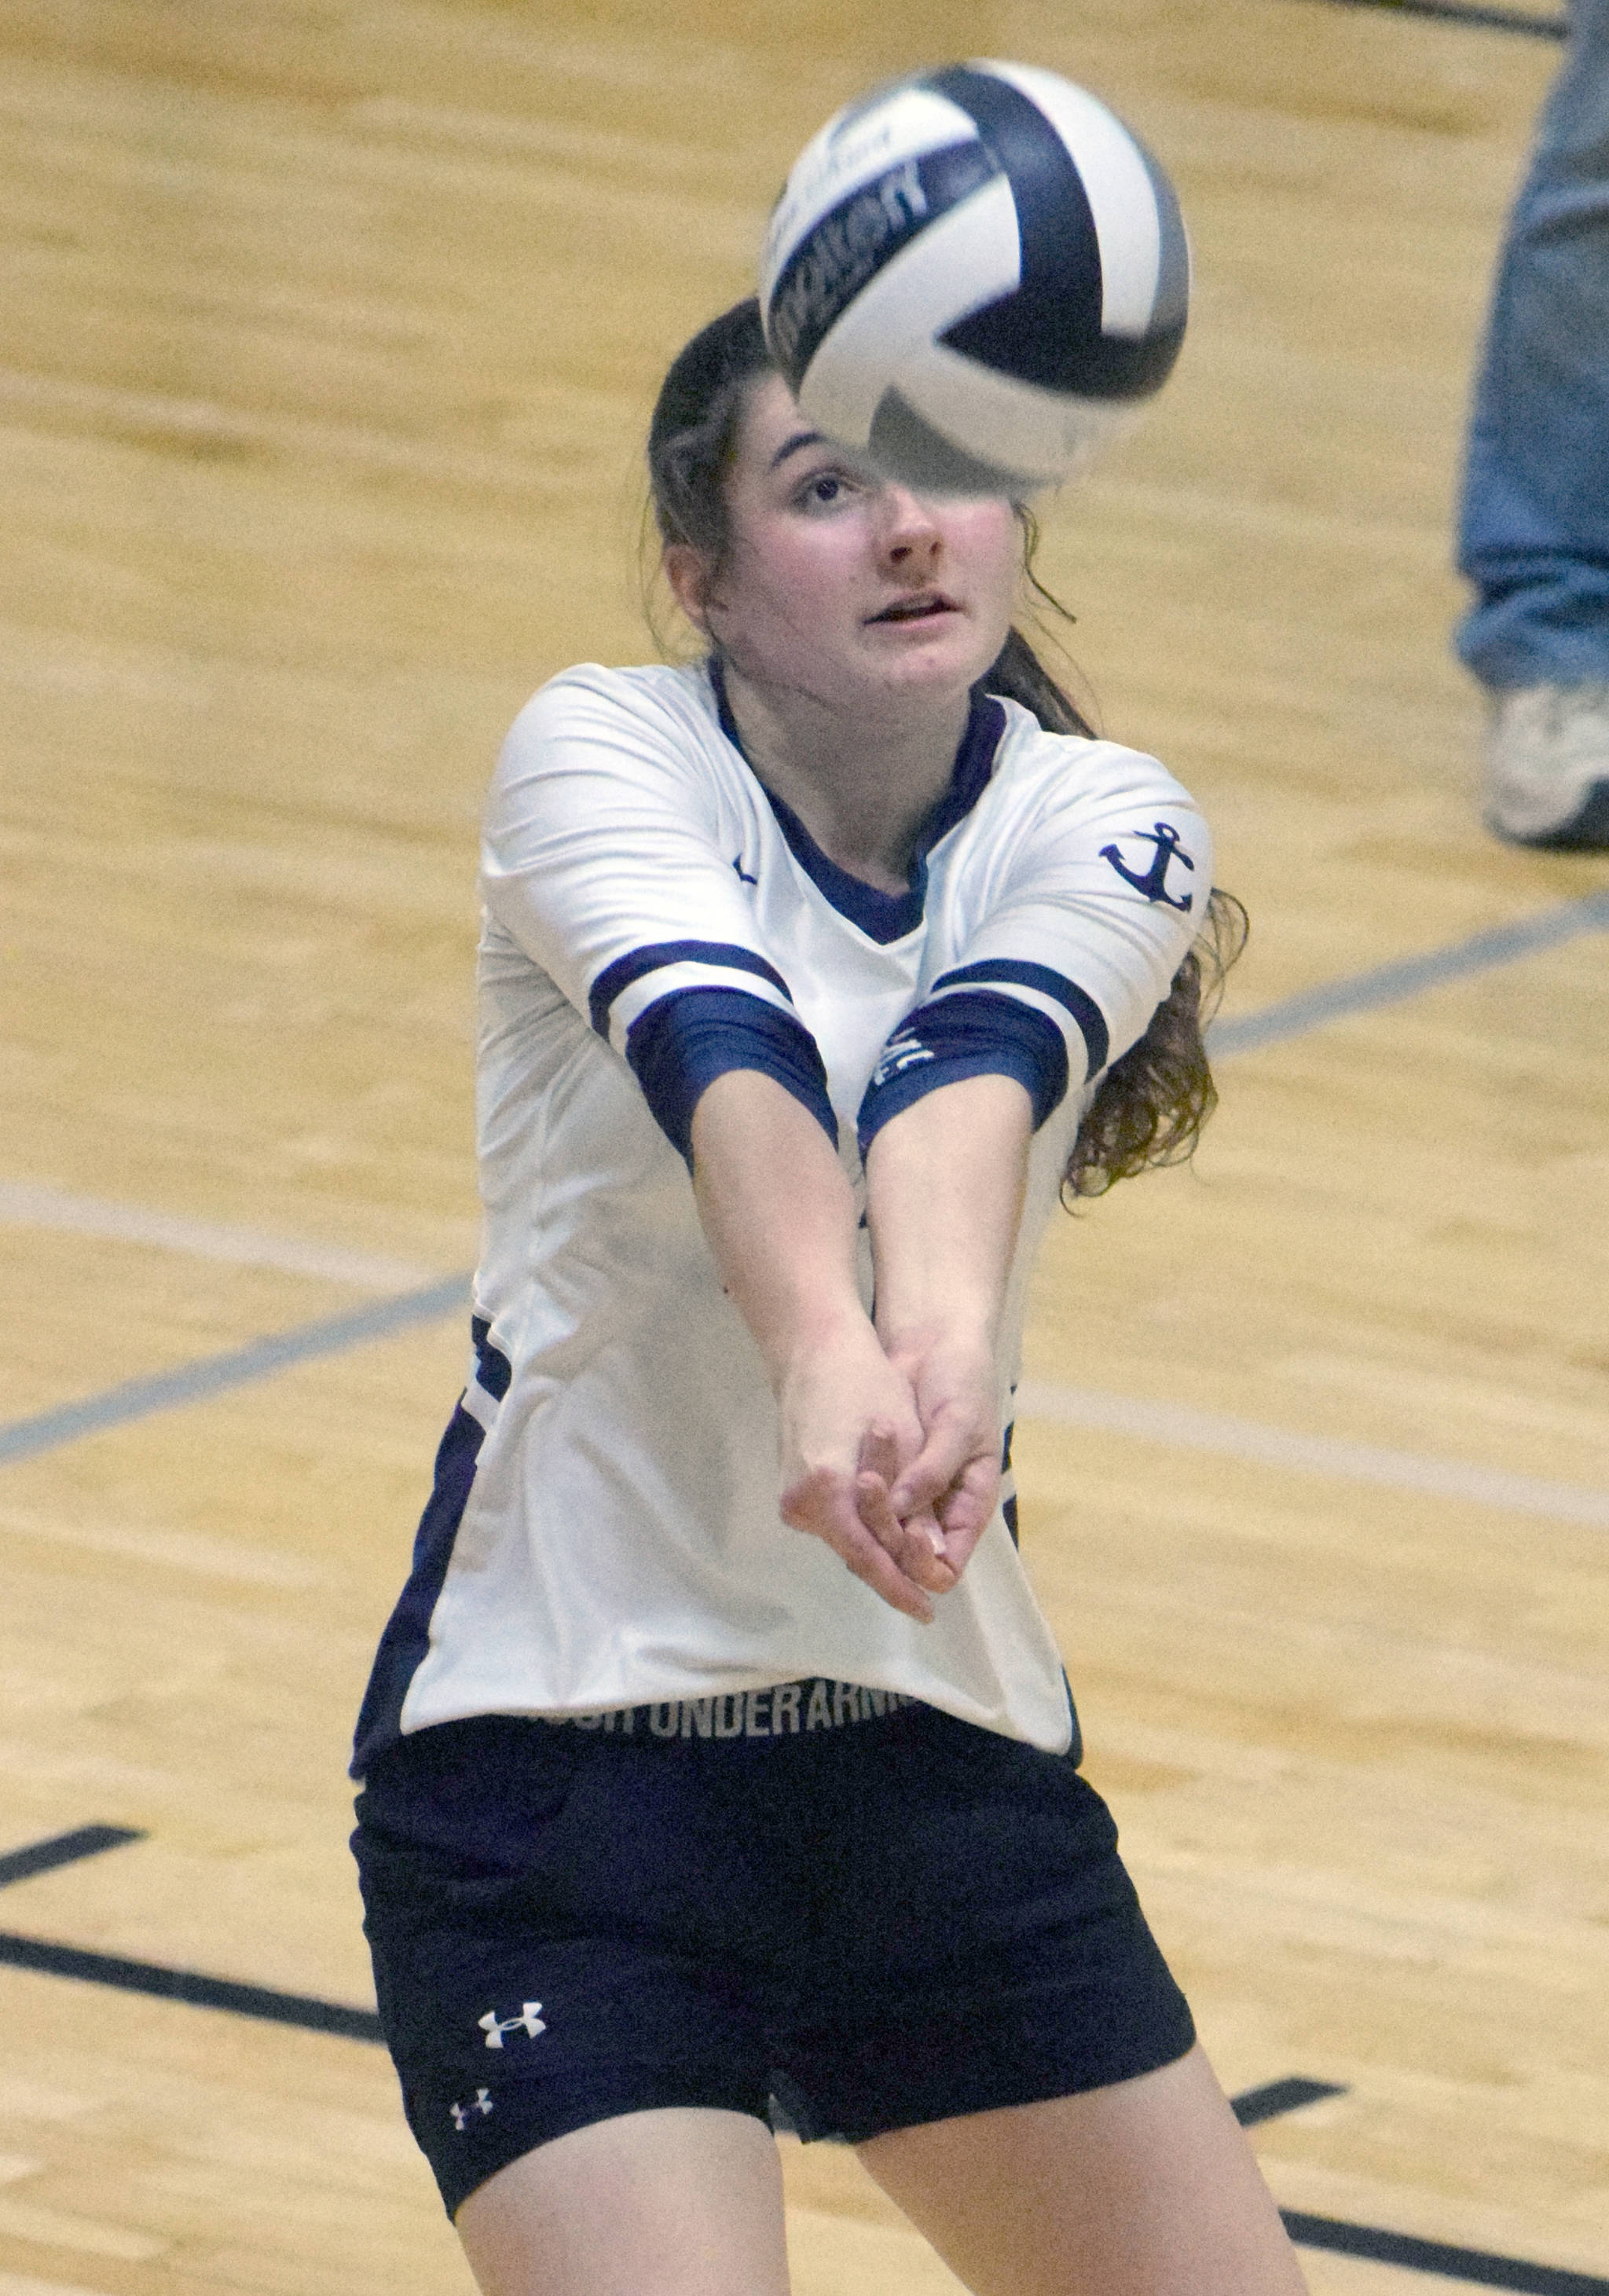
[{"x": 883, "y": 916}]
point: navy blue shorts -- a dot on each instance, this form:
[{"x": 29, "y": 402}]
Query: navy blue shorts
[{"x": 887, "y": 1918}]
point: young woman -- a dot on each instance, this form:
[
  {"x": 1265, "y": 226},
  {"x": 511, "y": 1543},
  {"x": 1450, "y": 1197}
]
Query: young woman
[{"x": 810, "y": 975}]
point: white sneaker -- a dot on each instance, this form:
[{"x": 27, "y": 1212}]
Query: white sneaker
[{"x": 1548, "y": 765}]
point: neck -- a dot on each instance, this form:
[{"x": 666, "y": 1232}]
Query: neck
[{"x": 862, "y": 785}]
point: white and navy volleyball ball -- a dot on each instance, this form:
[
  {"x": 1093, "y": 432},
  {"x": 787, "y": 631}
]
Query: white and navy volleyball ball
[{"x": 976, "y": 278}]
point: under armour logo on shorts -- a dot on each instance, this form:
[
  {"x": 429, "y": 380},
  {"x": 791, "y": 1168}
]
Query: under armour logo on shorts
[{"x": 530, "y": 2021}]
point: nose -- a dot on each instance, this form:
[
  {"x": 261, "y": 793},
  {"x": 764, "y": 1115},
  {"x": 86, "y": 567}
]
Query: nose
[{"x": 907, "y": 530}]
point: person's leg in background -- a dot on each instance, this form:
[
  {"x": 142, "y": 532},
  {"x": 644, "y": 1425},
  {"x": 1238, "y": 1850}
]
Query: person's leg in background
[{"x": 1534, "y": 525}]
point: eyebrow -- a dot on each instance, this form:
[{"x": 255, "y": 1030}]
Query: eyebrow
[{"x": 792, "y": 445}]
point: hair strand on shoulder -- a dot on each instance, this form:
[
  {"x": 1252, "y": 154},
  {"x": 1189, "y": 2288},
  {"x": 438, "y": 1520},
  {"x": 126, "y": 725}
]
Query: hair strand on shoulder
[{"x": 1151, "y": 1104}]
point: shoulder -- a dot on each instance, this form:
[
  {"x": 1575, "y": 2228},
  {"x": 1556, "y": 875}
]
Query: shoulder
[
  {"x": 1064, "y": 774},
  {"x": 601, "y": 744},
  {"x": 654, "y": 704},
  {"x": 1065, "y": 810}
]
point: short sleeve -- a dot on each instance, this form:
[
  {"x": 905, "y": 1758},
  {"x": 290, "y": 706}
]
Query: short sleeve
[
  {"x": 604, "y": 857},
  {"x": 601, "y": 853},
  {"x": 1100, "y": 885}
]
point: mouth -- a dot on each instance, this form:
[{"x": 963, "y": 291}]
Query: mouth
[{"x": 920, "y": 606}]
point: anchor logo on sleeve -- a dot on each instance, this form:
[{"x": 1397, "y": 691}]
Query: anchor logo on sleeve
[{"x": 1153, "y": 883}]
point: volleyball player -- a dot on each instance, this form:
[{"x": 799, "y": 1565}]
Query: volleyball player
[{"x": 717, "y": 1751}]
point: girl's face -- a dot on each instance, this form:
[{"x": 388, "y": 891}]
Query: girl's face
[{"x": 842, "y": 586}]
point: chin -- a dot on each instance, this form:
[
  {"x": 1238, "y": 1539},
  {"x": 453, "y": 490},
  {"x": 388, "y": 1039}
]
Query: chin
[{"x": 941, "y": 665}]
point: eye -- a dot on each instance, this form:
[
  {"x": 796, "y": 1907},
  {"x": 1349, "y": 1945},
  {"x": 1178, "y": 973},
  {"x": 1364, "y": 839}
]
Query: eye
[{"x": 823, "y": 490}]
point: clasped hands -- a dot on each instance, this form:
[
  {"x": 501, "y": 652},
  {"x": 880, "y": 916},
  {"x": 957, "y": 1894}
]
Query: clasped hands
[{"x": 890, "y": 1453}]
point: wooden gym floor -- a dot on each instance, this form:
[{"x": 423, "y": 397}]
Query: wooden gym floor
[{"x": 333, "y": 329}]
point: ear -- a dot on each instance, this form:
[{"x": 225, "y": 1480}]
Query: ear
[{"x": 688, "y": 573}]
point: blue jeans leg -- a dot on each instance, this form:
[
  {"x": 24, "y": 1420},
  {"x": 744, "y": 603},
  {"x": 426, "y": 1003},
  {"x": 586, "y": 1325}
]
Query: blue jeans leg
[{"x": 1534, "y": 526}]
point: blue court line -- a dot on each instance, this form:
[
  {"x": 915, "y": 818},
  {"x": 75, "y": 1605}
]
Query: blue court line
[
  {"x": 1470, "y": 12},
  {"x": 136, "y": 1399},
  {"x": 1311, "y": 1008},
  {"x": 1409, "y": 976}
]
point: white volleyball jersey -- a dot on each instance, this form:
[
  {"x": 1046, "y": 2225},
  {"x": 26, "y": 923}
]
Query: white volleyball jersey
[{"x": 605, "y": 1531}]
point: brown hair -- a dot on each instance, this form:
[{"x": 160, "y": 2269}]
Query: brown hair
[{"x": 1151, "y": 1104}]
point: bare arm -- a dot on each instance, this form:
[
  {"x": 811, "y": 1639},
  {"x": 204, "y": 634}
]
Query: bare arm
[
  {"x": 780, "y": 1220},
  {"x": 945, "y": 1180}
]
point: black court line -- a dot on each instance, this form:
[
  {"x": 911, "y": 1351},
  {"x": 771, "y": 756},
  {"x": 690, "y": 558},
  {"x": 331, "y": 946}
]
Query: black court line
[
  {"x": 64, "y": 1849},
  {"x": 189, "y": 1985},
  {"x": 1275, "y": 2097},
  {"x": 1472, "y": 2264},
  {"x": 1479, "y": 2266},
  {"x": 1483, "y": 20},
  {"x": 312, "y": 2015}
]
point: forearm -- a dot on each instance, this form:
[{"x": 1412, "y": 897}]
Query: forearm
[
  {"x": 944, "y": 1203},
  {"x": 779, "y": 1217},
  {"x": 780, "y": 1220}
]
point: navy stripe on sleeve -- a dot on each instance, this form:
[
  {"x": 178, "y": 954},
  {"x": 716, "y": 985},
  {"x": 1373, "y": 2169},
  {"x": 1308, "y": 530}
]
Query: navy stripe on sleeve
[
  {"x": 624, "y": 970},
  {"x": 1091, "y": 1022},
  {"x": 976, "y": 1033},
  {"x": 683, "y": 1041}
]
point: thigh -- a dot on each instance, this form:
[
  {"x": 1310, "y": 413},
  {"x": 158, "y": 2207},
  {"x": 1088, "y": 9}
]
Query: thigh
[
  {"x": 670, "y": 2203},
  {"x": 1146, "y": 2188}
]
